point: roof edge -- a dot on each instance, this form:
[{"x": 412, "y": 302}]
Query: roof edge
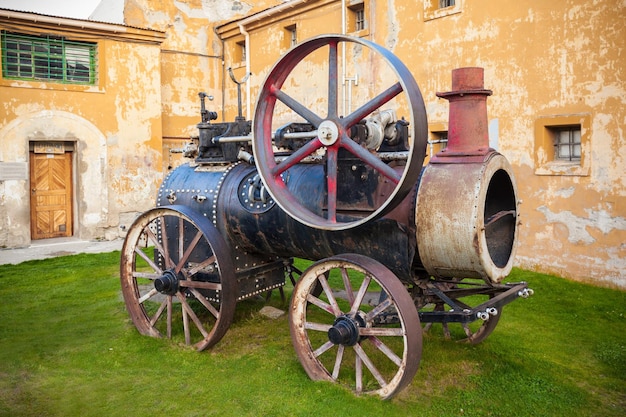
[{"x": 36, "y": 21}]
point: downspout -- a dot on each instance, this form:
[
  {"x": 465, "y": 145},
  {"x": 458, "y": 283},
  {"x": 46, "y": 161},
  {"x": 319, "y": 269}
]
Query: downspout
[
  {"x": 344, "y": 30},
  {"x": 223, "y": 74},
  {"x": 246, "y": 35},
  {"x": 242, "y": 29}
]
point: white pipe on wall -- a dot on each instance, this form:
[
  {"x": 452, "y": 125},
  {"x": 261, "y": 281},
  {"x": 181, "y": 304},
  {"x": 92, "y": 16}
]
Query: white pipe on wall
[{"x": 242, "y": 29}]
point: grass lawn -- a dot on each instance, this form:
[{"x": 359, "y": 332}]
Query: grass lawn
[{"x": 68, "y": 348}]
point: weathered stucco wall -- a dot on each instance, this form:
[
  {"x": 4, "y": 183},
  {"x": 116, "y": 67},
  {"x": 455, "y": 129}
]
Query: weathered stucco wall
[
  {"x": 191, "y": 60},
  {"x": 543, "y": 61},
  {"x": 115, "y": 127}
]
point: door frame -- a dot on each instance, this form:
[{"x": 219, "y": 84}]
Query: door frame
[{"x": 52, "y": 147}]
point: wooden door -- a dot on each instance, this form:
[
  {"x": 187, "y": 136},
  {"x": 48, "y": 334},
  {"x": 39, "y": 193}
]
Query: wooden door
[{"x": 51, "y": 195}]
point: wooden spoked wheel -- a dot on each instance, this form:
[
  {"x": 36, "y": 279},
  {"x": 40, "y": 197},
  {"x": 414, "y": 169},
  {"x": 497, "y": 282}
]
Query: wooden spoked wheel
[
  {"x": 177, "y": 277},
  {"x": 332, "y": 133},
  {"x": 361, "y": 330}
]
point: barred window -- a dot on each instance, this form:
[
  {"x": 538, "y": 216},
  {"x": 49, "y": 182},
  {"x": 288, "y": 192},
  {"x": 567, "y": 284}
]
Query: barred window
[
  {"x": 359, "y": 21},
  {"x": 48, "y": 58},
  {"x": 567, "y": 143},
  {"x": 446, "y": 3}
]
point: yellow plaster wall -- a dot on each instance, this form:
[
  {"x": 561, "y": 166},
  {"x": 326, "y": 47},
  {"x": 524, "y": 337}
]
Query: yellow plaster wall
[
  {"x": 116, "y": 127},
  {"x": 191, "y": 60},
  {"x": 541, "y": 59}
]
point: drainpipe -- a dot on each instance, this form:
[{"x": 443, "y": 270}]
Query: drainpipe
[
  {"x": 242, "y": 29},
  {"x": 246, "y": 35},
  {"x": 344, "y": 30}
]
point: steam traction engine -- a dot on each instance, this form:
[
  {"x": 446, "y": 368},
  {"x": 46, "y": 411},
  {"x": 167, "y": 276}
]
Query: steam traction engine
[{"x": 398, "y": 247}]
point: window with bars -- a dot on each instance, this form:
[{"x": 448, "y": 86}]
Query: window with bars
[
  {"x": 357, "y": 18},
  {"x": 435, "y": 9},
  {"x": 567, "y": 143},
  {"x": 241, "y": 51},
  {"x": 292, "y": 35},
  {"x": 562, "y": 144},
  {"x": 48, "y": 58}
]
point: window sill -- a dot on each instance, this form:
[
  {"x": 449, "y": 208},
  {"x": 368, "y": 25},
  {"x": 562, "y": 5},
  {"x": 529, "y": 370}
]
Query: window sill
[
  {"x": 432, "y": 12},
  {"x": 563, "y": 168},
  {"x": 360, "y": 33},
  {"x": 42, "y": 85}
]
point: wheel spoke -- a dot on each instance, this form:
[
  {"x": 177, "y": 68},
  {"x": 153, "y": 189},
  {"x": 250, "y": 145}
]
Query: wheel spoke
[
  {"x": 170, "y": 308},
  {"x": 359, "y": 297},
  {"x": 147, "y": 296},
  {"x": 370, "y": 159},
  {"x": 310, "y": 147},
  {"x": 333, "y": 75},
  {"x": 386, "y": 350},
  {"x": 158, "y": 313},
  {"x": 191, "y": 314},
  {"x": 205, "y": 303},
  {"x": 181, "y": 239},
  {"x": 321, "y": 304},
  {"x": 202, "y": 265},
  {"x": 369, "y": 364},
  {"x": 321, "y": 327},
  {"x": 324, "y": 348},
  {"x": 347, "y": 285},
  {"x": 358, "y": 373},
  {"x": 148, "y": 275},
  {"x": 331, "y": 183},
  {"x": 378, "y": 309},
  {"x": 372, "y": 105},
  {"x": 296, "y": 106},
  {"x": 159, "y": 247},
  {"x": 163, "y": 248},
  {"x": 145, "y": 257},
  {"x": 186, "y": 283},
  {"x": 331, "y": 296},
  {"x": 185, "y": 256},
  {"x": 467, "y": 330},
  {"x": 186, "y": 326},
  {"x": 381, "y": 331},
  {"x": 338, "y": 360}
]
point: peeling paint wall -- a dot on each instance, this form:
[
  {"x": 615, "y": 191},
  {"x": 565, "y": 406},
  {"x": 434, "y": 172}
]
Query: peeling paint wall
[
  {"x": 191, "y": 60},
  {"x": 115, "y": 127},
  {"x": 542, "y": 60}
]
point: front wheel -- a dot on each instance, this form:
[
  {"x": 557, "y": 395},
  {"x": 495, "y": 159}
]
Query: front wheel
[{"x": 360, "y": 330}]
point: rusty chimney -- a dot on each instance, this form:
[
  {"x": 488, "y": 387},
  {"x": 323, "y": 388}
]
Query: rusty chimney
[{"x": 468, "y": 136}]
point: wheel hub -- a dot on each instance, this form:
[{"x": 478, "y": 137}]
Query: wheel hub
[
  {"x": 167, "y": 283},
  {"x": 345, "y": 331},
  {"x": 327, "y": 132}
]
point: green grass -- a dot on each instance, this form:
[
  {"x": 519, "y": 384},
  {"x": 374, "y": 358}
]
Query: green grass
[{"x": 67, "y": 348}]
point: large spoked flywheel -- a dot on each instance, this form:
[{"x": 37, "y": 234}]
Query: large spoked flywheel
[
  {"x": 353, "y": 322},
  {"x": 177, "y": 277},
  {"x": 293, "y": 92}
]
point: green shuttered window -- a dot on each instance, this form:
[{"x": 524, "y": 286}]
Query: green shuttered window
[{"x": 48, "y": 58}]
